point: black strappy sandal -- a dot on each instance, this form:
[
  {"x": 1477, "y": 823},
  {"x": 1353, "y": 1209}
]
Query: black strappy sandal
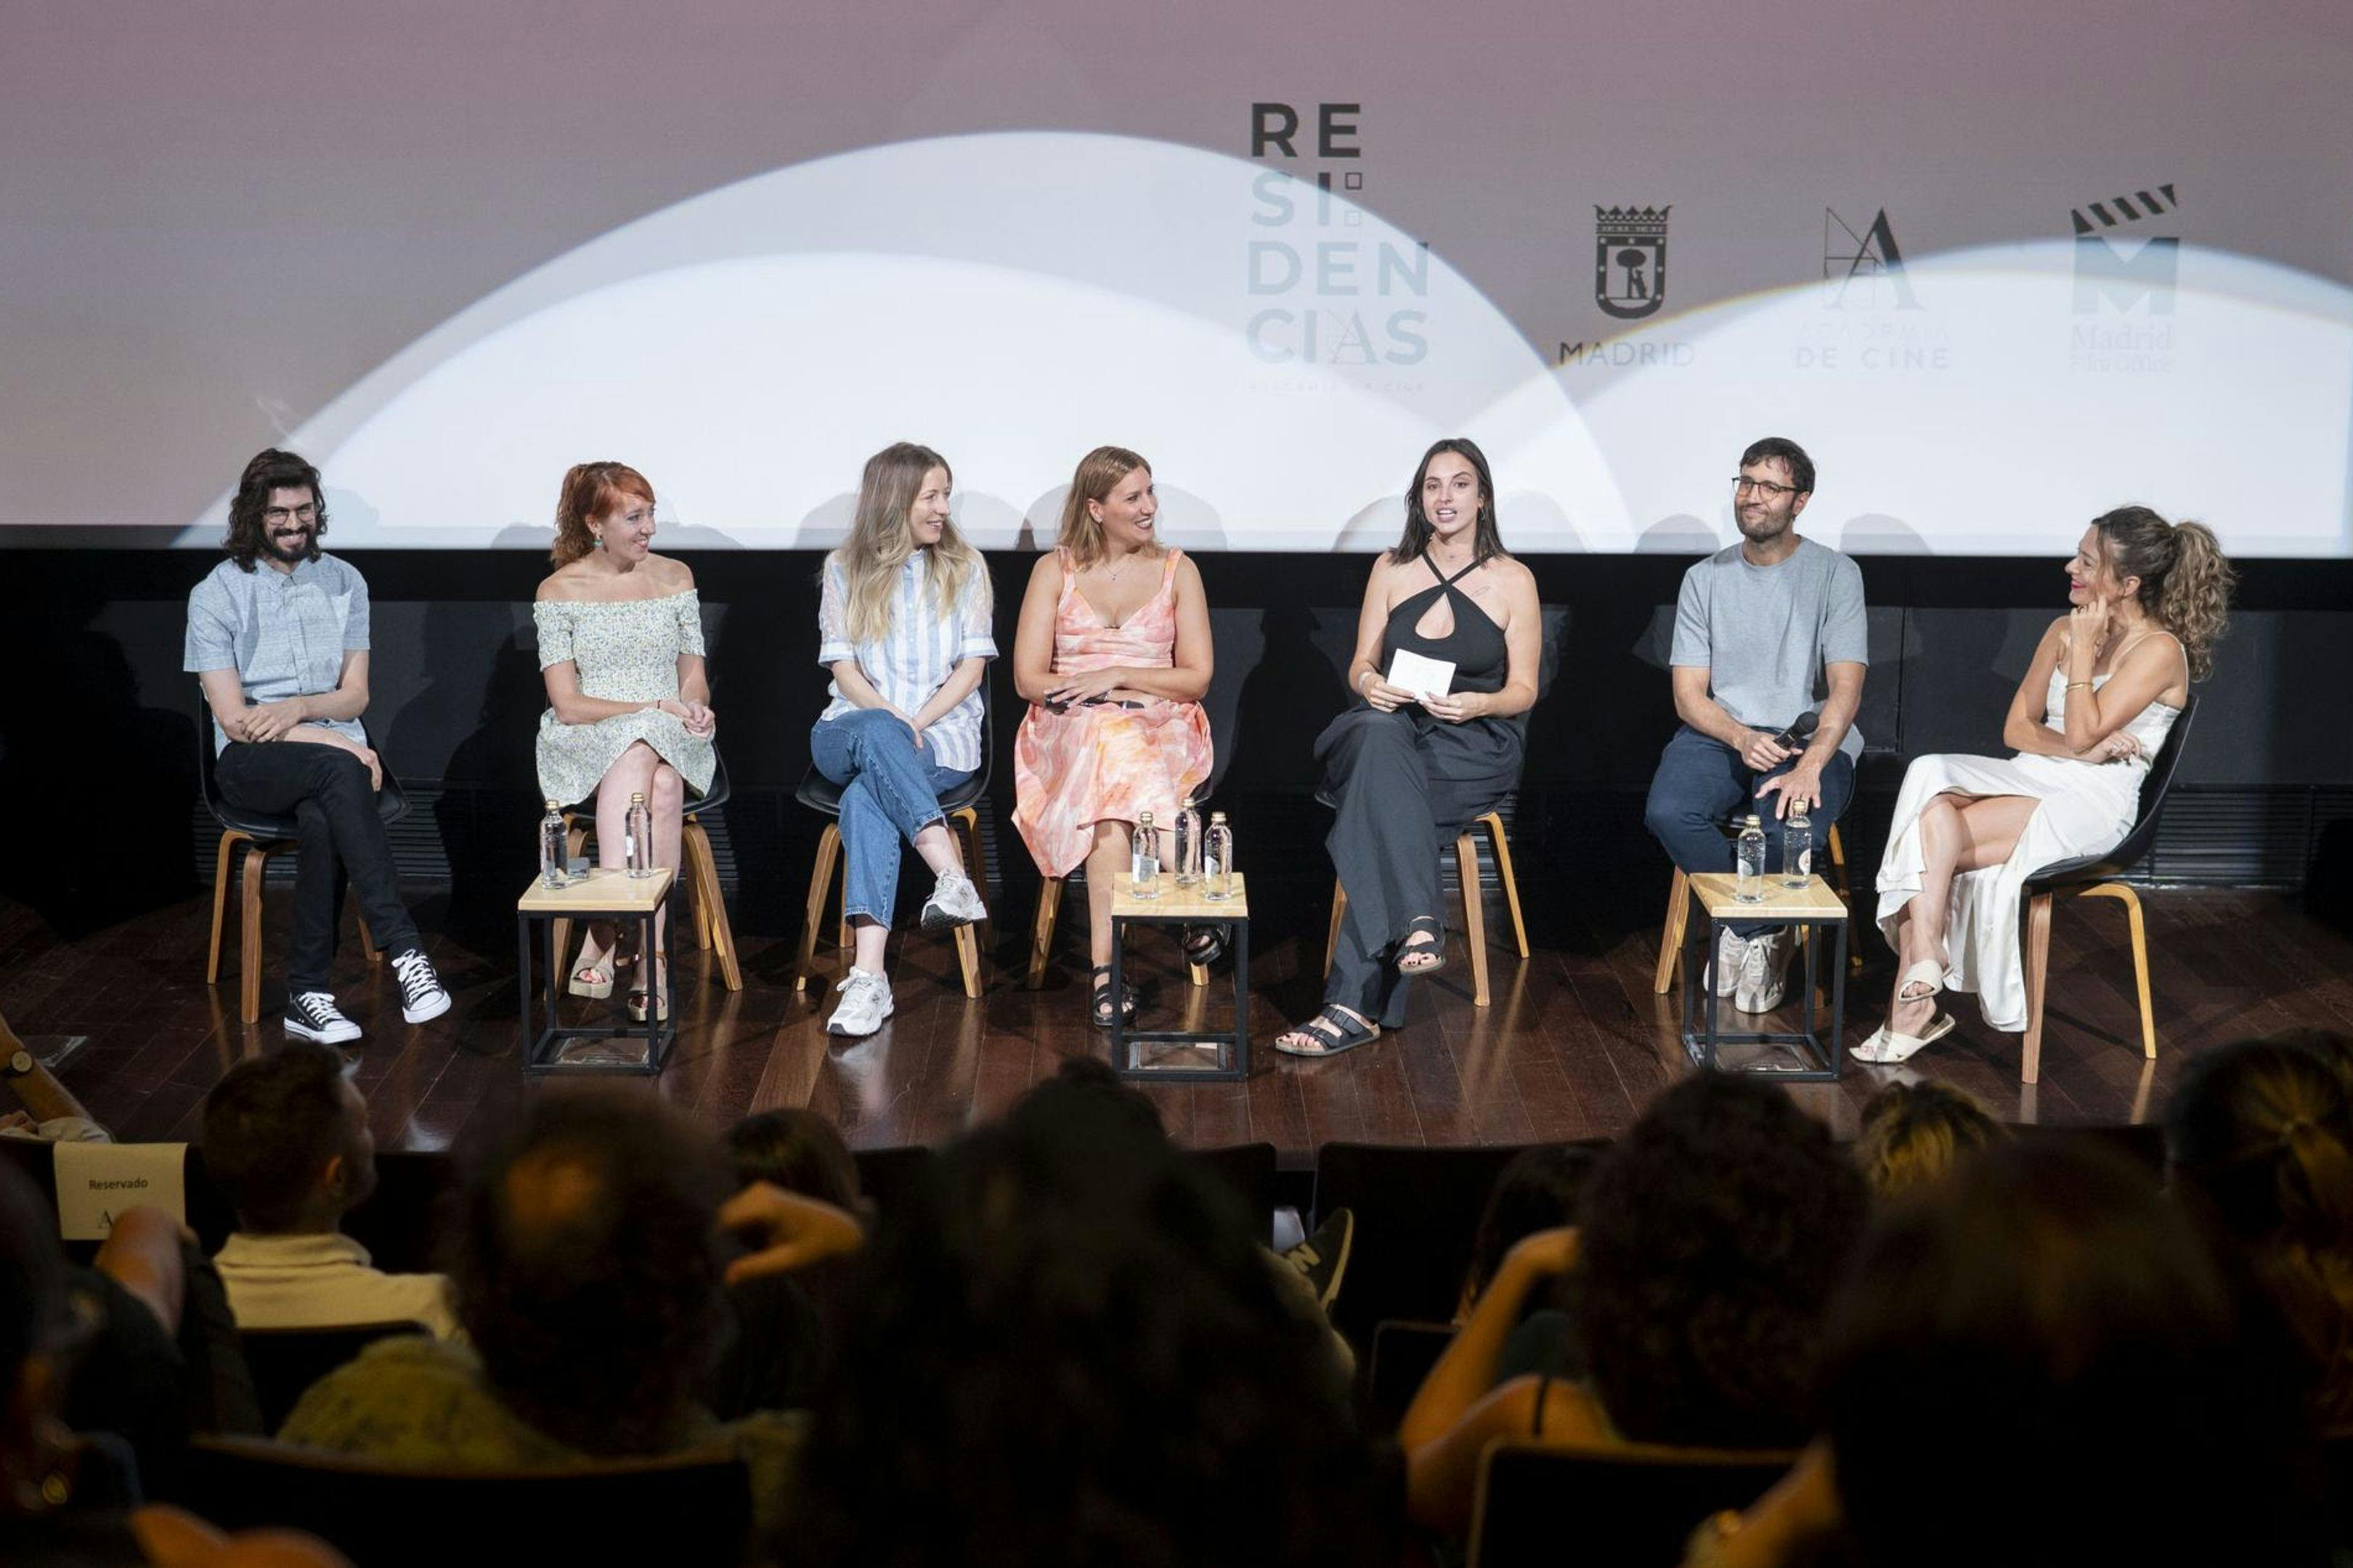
[
  {"x": 1205, "y": 944},
  {"x": 1099, "y": 1013},
  {"x": 1431, "y": 926},
  {"x": 1335, "y": 1031}
]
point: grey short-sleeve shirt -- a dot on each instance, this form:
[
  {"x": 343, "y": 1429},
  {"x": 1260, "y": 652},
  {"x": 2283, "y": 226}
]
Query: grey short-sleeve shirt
[
  {"x": 1763, "y": 632},
  {"x": 284, "y": 633}
]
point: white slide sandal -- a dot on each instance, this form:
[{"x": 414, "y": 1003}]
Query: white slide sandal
[{"x": 1886, "y": 1046}]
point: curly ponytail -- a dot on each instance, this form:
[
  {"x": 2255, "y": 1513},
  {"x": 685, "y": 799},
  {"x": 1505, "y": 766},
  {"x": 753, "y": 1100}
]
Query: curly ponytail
[{"x": 2185, "y": 578}]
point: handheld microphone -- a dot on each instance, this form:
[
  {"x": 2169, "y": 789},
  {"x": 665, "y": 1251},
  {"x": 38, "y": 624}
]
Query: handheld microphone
[{"x": 1800, "y": 729}]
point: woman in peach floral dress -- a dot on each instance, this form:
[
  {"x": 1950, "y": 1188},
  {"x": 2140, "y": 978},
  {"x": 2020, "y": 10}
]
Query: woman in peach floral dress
[{"x": 1113, "y": 654}]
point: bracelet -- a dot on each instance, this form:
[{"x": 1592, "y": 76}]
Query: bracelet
[
  {"x": 1373, "y": 674},
  {"x": 2072, "y": 684}
]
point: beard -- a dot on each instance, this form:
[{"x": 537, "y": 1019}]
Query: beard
[
  {"x": 1769, "y": 525},
  {"x": 291, "y": 546}
]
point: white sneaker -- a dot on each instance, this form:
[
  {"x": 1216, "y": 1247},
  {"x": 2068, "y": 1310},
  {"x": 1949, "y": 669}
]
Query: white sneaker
[
  {"x": 954, "y": 901},
  {"x": 421, "y": 996},
  {"x": 1763, "y": 972},
  {"x": 1731, "y": 952},
  {"x": 865, "y": 1002},
  {"x": 313, "y": 1015}
]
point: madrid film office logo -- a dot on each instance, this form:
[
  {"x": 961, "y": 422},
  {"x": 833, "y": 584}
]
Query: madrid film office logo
[
  {"x": 1866, "y": 258},
  {"x": 1630, "y": 260},
  {"x": 2141, "y": 270}
]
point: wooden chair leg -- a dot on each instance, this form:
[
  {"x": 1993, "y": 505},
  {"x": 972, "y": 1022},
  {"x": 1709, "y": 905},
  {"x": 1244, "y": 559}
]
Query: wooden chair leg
[
  {"x": 2038, "y": 974},
  {"x": 223, "y": 867},
  {"x": 248, "y": 945},
  {"x": 712, "y": 899},
  {"x": 1475, "y": 915},
  {"x": 1339, "y": 912},
  {"x": 1671, "y": 935},
  {"x": 368, "y": 939},
  {"x": 2131, "y": 902},
  {"x": 1502, "y": 847},
  {"x": 829, "y": 847},
  {"x": 1041, "y": 929},
  {"x": 975, "y": 866},
  {"x": 697, "y": 904},
  {"x": 967, "y": 944},
  {"x": 1838, "y": 881}
]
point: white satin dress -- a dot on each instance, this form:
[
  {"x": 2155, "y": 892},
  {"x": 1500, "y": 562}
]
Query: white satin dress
[{"x": 2086, "y": 809}]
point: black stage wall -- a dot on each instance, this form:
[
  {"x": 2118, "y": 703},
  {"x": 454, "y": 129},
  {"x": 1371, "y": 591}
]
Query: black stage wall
[{"x": 97, "y": 738}]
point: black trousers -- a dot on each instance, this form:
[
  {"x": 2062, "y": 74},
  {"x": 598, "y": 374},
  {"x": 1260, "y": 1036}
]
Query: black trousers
[
  {"x": 1403, "y": 785},
  {"x": 338, "y": 835}
]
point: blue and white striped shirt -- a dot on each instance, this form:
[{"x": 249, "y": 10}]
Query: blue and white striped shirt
[{"x": 925, "y": 644}]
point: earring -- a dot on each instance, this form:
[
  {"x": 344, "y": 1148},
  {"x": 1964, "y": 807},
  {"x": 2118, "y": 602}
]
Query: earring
[{"x": 600, "y": 541}]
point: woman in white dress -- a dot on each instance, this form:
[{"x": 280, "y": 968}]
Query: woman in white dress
[{"x": 2148, "y": 599}]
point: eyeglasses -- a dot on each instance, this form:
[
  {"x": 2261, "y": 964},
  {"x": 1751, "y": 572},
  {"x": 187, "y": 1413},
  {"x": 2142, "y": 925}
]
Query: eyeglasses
[
  {"x": 307, "y": 512},
  {"x": 1765, "y": 487}
]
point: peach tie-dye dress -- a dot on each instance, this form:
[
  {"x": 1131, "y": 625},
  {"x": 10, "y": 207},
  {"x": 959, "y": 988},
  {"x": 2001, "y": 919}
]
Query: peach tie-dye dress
[{"x": 1098, "y": 763}]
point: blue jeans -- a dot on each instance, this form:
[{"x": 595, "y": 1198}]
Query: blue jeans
[
  {"x": 1701, "y": 783},
  {"x": 889, "y": 791}
]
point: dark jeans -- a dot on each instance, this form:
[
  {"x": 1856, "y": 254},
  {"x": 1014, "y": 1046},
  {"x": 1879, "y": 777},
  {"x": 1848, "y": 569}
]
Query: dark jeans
[
  {"x": 1701, "y": 783},
  {"x": 337, "y": 835}
]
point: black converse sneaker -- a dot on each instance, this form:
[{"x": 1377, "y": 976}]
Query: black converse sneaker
[
  {"x": 421, "y": 996},
  {"x": 312, "y": 1015}
]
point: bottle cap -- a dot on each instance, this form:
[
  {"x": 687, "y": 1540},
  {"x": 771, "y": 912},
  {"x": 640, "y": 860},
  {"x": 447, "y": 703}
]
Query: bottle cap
[
  {"x": 639, "y": 799},
  {"x": 1749, "y": 821},
  {"x": 1216, "y": 817},
  {"x": 554, "y": 805},
  {"x": 1142, "y": 818}
]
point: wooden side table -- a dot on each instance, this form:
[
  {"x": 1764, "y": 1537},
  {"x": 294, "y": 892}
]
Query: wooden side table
[
  {"x": 604, "y": 893},
  {"x": 1229, "y": 1050},
  {"x": 1814, "y": 906}
]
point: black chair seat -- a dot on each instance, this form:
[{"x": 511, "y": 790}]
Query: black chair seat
[
  {"x": 709, "y": 800},
  {"x": 2085, "y": 870},
  {"x": 820, "y": 794},
  {"x": 391, "y": 802}
]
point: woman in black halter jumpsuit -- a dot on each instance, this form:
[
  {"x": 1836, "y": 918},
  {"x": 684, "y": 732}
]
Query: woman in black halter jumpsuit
[{"x": 1407, "y": 776}]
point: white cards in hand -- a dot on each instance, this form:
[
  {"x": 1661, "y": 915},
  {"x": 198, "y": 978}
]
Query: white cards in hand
[{"x": 1410, "y": 672}]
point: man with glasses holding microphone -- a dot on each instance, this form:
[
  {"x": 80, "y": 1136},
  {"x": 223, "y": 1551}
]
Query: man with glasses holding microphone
[{"x": 1768, "y": 633}]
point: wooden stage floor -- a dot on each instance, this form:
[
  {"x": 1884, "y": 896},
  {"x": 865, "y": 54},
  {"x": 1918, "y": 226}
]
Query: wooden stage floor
[{"x": 1574, "y": 1045}]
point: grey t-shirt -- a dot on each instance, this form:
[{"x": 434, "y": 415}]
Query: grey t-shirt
[{"x": 1763, "y": 633}]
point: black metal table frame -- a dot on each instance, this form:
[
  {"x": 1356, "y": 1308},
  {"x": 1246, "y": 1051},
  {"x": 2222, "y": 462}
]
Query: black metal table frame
[
  {"x": 1126, "y": 1044},
  {"x": 1820, "y": 1063},
  {"x": 539, "y": 1058}
]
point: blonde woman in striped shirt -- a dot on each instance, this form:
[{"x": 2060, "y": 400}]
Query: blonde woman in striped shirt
[{"x": 903, "y": 624}]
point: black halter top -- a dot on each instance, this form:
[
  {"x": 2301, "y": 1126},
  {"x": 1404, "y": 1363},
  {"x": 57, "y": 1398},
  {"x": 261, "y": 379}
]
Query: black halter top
[{"x": 1475, "y": 646}]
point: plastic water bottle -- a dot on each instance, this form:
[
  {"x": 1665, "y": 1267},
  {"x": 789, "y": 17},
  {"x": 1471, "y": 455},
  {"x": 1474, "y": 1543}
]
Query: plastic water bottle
[
  {"x": 641, "y": 837},
  {"x": 1748, "y": 857},
  {"x": 1144, "y": 860},
  {"x": 1189, "y": 845},
  {"x": 1217, "y": 860},
  {"x": 1797, "y": 848},
  {"x": 554, "y": 849}
]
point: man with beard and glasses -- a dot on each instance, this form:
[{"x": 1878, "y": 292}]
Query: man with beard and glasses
[
  {"x": 279, "y": 636},
  {"x": 1766, "y": 630}
]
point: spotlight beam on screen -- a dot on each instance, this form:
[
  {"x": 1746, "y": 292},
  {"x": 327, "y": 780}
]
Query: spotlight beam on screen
[{"x": 1284, "y": 355}]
